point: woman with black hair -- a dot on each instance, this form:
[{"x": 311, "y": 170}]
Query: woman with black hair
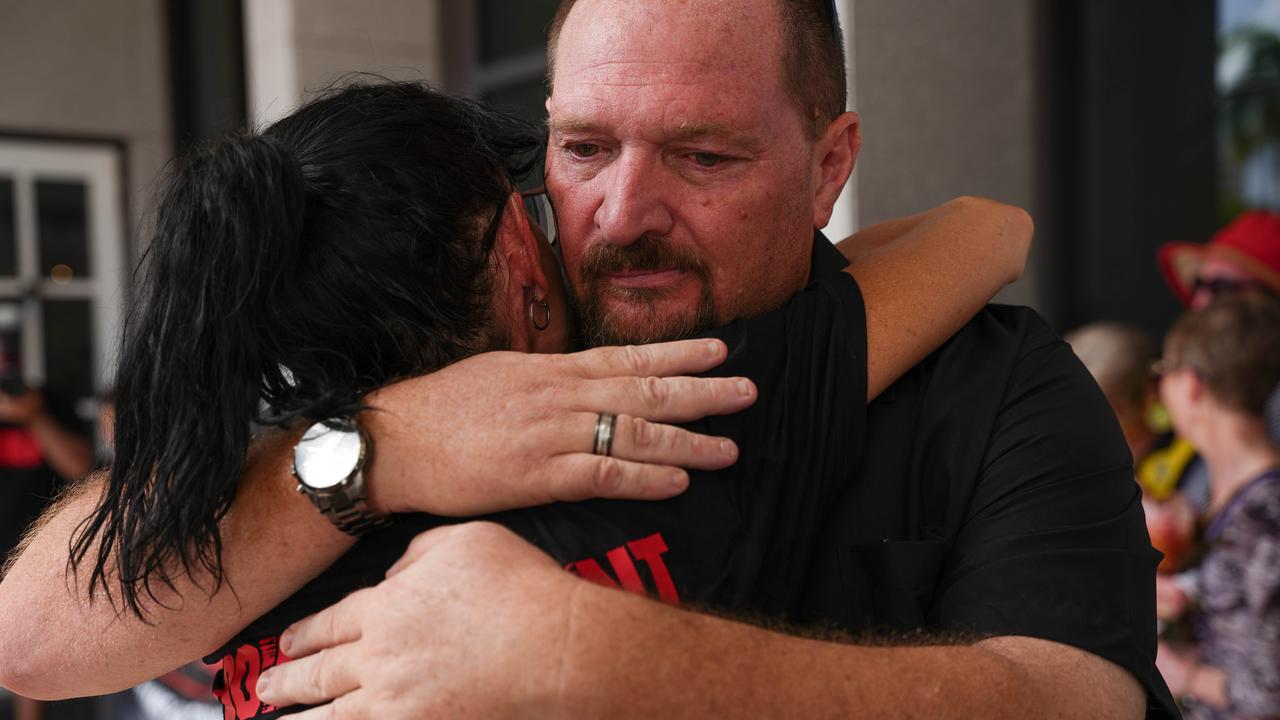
[{"x": 375, "y": 235}]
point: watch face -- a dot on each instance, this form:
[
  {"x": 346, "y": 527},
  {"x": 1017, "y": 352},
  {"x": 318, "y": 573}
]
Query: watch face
[{"x": 326, "y": 457}]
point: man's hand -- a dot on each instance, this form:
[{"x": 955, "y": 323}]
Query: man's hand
[
  {"x": 504, "y": 430},
  {"x": 469, "y": 623},
  {"x": 475, "y": 622}
]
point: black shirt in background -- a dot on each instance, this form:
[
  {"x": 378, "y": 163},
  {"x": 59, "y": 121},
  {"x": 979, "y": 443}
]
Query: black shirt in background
[
  {"x": 737, "y": 539},
  {"x": 996, "y": 497}
]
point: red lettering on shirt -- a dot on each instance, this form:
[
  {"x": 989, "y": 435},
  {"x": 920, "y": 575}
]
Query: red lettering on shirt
[
  {"x": 590, "y": 570},
  {"x": 625, "y": 570},
  {"x": 237, "y": 685},
  {"x": 648, "y": 550}
]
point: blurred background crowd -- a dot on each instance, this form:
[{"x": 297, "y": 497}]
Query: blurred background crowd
[{"x": 1143, "y": 136}]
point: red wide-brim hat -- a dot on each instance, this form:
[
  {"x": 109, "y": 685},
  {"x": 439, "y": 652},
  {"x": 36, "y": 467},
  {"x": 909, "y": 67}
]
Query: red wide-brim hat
[{"x": 1251, "y": 243}]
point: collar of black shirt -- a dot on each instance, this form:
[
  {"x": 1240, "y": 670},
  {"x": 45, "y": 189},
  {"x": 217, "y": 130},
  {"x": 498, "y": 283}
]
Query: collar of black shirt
[{"x": 825, "y": 259}]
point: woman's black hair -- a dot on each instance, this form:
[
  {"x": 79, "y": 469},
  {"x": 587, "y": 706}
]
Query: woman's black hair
[{"x": 291, "y": 272}]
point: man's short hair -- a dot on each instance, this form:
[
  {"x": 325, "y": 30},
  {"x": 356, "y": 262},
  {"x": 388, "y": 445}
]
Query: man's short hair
[{"x": 812, "y": 58}]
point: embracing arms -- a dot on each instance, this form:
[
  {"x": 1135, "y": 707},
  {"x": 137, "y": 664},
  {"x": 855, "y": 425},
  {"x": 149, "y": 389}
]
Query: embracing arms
[
  {"x": 533, "y": 427},
  {"x": 55, "y": 643},
  {"x": 476, "y": 608}
]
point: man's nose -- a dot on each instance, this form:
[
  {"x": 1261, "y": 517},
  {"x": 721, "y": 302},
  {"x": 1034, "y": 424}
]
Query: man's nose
[{"x": 635, "y": 202}]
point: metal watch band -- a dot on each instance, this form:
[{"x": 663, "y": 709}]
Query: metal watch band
[{"x": 352, "y": 517}]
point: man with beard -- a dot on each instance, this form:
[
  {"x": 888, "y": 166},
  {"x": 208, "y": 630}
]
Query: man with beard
[
  {"x": 692, "y": 131},
  {"x": 996, "y": 523}
]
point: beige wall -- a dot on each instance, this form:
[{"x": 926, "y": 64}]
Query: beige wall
[
  {"x": 947, "y": 94},
  {"x": 90, "y": 67},
  {"x": 298, "y": 45}
]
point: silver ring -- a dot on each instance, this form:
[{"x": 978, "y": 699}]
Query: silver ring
[{"x": 604, "y": 433}]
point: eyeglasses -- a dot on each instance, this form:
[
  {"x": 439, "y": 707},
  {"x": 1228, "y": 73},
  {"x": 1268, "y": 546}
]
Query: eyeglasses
[
  {"x": 1222, "y": 285},
  {"x": 537, "y": 204},
  {"x": 1160, "y": 368}
]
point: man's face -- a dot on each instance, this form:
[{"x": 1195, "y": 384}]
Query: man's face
[{"x": 679, "y": 166}]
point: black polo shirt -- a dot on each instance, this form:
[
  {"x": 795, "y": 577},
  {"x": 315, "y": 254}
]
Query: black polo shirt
[
  {"x": 996, "y": 497},
  {"x": 737, "y": 539}
]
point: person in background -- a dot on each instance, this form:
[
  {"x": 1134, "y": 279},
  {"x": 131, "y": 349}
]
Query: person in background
[
  {"x": 1244, "y": 255},
  {"x": 1175, "y": 484},
  {"x": 1219, "y": 365},
  {"x": 39, "y": 451}
]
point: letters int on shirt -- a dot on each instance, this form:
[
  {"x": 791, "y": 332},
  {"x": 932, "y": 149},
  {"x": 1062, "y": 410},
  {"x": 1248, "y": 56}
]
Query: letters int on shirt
[
  {"x": 648, "y": 550},
  {"x": 237, "y": 681}
]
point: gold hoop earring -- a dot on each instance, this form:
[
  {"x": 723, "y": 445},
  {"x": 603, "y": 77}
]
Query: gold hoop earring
[{"x": 536, "y": 306}]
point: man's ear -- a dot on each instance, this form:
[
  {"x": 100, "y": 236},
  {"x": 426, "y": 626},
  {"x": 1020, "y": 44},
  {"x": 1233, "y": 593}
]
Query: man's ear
[{"x": 834, "y": 156}]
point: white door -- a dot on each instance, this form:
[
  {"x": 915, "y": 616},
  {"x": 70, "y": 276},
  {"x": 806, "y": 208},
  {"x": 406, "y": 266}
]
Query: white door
[{"x": 62, "y": 261}]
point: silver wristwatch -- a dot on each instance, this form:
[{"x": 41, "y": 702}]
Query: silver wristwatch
[{"x": 329, "y": 463}]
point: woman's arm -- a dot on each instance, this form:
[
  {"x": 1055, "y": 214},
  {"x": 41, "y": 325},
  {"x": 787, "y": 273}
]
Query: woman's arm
[
  {"x": 532, "y": 425},
  {"x": 925, "y": 276}
]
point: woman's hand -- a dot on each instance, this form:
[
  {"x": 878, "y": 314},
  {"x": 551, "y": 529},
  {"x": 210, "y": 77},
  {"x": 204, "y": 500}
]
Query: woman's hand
[
  {"x": 1171, "y": 601},
  {"x": 503, "y": 430}
]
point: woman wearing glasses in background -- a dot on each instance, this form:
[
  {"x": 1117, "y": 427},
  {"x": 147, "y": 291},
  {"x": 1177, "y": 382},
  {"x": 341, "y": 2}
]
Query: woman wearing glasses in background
[{"x": 1220, "y": 362}]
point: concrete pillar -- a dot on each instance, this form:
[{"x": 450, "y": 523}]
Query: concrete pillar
[{"x": 947, "y": 94}]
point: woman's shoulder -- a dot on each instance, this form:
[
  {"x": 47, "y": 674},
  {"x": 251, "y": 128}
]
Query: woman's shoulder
[{"x": 1257, "y": 513}]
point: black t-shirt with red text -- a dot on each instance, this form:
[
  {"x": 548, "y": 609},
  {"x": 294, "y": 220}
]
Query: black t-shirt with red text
[
  {"x": 739, "y": 538},
  {"x": 996, "y": 497}
]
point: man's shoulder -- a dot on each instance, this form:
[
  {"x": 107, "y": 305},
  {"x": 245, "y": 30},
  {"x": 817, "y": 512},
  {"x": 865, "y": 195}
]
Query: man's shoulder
[
  {"x": 1000, "y": 347},
  {"x": 1005, "y": 388},
  {"x": 1011, "y": 330}
]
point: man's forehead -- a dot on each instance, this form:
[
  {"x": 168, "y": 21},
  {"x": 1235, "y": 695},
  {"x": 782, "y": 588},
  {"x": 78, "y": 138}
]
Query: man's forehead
[
  {"x": 681, "y": 129},
  {"x": 652, "y": 38}
]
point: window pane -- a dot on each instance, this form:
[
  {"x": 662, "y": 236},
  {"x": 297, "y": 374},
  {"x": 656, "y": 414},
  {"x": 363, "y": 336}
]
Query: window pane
[
  {"x": 68, "y": 347},
  {"x": 510, "y": 28},
  {"x": 62, "y": 217},
  {"x": 8, "y": 230}
]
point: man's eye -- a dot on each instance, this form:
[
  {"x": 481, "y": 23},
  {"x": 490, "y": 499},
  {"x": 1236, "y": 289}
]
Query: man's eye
[
  {"x": 583, "y": 150},
  {"x": 707, "y": 160}
]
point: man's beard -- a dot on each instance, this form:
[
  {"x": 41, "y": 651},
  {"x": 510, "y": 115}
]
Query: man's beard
[{"x": 597, "y": 327}]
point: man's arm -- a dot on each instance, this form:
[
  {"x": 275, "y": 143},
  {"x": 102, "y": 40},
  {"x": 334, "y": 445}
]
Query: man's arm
[
  {"x": 472, "y": 606},
  {"x": 533, "y": 425}
]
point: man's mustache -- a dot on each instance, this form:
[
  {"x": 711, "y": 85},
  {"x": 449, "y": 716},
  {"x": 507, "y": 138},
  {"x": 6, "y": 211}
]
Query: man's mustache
[{"x": 647, "y": 254}]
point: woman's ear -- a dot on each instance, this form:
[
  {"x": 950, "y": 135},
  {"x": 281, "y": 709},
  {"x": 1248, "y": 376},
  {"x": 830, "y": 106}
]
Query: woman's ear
[
  {"x": 1196, "y": 390},
  {"x": 516, "y": 248},
  {"x": 520, "y": 282}
]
